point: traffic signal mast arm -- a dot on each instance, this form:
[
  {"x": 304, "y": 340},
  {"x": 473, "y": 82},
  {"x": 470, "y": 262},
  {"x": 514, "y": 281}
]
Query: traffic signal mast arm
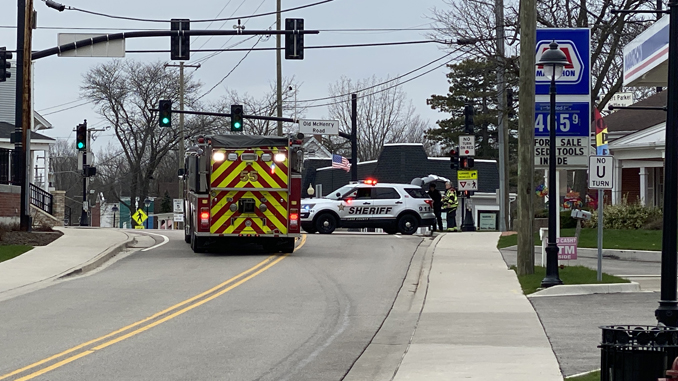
[
  {"x": 274, "y": 118},
  {"x": 160, "y": 33}
]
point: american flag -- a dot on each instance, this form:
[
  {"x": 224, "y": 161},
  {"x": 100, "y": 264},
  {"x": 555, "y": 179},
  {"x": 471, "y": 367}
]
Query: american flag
[{"x": 339, "y": 161}]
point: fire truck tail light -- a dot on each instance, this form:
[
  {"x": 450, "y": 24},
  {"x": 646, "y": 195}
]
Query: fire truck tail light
[
  {"x": 294, "y": 216},
  {"x": 204, "y": 217}
]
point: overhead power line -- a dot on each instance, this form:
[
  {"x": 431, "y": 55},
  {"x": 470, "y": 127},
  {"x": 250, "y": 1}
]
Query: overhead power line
[{"x": 193, "y": 21}]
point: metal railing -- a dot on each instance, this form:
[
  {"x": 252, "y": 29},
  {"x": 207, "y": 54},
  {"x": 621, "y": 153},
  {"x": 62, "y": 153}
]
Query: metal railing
[{"x": 41, "y": 198}]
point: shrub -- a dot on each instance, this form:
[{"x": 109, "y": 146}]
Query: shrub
[
  {"x": 566, "y": 220},
  {"x": 629, "y": 216}
]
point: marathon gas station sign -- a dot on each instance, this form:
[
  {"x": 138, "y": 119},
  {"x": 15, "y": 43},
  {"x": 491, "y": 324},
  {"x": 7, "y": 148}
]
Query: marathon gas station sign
[
  {"x": 573, "y": 100},
  {"x": 646, "y": 57}
]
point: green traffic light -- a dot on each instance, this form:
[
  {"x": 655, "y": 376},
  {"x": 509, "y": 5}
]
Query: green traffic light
[
  {"x": 81, "y": 145},
  {"x": 165, "y": 120},
  {"x": 236, "y": 125}
]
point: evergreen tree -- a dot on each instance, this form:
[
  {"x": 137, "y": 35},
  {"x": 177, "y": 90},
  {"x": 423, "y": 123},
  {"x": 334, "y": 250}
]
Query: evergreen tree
[
  {"x": 166, "y": 203},
  {"x": 473, "y": 81}
]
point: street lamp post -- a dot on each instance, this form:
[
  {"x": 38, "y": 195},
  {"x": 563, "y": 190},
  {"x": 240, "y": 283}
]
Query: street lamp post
[
  {"x": 553, "y": 61},
  {"x": 115, "y": 211}
]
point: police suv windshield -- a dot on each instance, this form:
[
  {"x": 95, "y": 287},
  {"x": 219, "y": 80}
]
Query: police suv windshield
[{"x": 339, "y": 193}]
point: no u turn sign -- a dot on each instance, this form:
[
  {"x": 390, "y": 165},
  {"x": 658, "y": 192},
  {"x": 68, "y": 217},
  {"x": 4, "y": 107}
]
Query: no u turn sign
[{"x": 600, "y": 172}]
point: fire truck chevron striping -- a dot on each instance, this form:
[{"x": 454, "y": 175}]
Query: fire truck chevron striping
[{"x": 243, "y": 189}]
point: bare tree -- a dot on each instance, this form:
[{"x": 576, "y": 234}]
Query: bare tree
[
  {"x": 63, "y": 164},
  {"x": 384, "y": 115},
  {"x": 266, "y": 105},
  {"x": 124, "y": 92},
  {"x": 466, "y": 19}
]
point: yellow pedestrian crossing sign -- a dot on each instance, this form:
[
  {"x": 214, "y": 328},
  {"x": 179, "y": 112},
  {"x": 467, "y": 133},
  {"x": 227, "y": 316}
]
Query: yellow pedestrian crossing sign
[{"x": 139, "y": 217}]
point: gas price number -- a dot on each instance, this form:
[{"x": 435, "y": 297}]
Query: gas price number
[{"x": 571, "y": 119}]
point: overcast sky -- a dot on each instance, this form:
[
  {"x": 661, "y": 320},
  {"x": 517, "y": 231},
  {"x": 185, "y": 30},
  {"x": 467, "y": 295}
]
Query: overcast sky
[{"x": 58, "y": 79}]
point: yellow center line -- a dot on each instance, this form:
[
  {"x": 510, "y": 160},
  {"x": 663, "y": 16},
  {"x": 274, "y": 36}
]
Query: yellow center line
[
  {"x": 267, "y": 263},
  {"x": 138, "y": 322}
]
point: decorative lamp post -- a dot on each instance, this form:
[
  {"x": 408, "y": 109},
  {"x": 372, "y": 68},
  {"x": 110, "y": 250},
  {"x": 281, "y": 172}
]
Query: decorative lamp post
[
  {"x": 115, "y": 211},
  {"x": 147, "y": 202},
  {"x": 553, "y": 61}
]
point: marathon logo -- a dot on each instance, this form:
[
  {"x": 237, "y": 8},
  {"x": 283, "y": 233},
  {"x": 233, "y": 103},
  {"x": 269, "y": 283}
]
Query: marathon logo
[
  {"x": 572, "y": 73},
  {"x": 369, "y": 210}
]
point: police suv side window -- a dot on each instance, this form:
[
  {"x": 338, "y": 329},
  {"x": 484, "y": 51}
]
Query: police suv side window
[
  {"x": 385, "y": 194},
  {"x": 417, "y": 192}
]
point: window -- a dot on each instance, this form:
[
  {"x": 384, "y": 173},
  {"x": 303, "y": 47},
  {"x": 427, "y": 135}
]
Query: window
[
  {"x": 416, "y": 192},
  {"x": 364, "y": 193},
  {"x": 385, "y": 194}
]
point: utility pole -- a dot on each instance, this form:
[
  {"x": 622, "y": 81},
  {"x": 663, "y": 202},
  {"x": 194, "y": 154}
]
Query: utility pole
[
  {"x": 354, "y": 137},
  {"x": 503, "y": 129},
  {"x": 528, "y": 41},
  {"x": 85, "y": 205},
  {"x": 278, "y": 60},
  {"x": 181, "y": 118},
  {"x": 22, "y": 117}
]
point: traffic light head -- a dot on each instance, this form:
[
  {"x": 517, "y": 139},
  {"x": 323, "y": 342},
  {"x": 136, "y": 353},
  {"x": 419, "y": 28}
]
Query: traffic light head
[
  {"x": 454, "y": 158},
  {"x": 468, "y": 119},
  {"x": 466, "y": 162},
  {"x": 236, "y": 118},
  {"x": 4, "y": 64},
  {"x": 81, "y": 137},
  {"x": 165, "y": 115},
  {"x": 294, "y": 42}
]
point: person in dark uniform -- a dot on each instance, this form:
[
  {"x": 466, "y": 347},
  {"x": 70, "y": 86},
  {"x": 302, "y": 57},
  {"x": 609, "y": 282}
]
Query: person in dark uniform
[{"x": 437, "y": 206}]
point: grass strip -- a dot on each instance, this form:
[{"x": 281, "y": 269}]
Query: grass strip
[
  {"x": 569, "y": 275},
  {"x": 593, "y": 376},
  {"x": 10, "y": 251},
  {"x": 612, "y": 239}
]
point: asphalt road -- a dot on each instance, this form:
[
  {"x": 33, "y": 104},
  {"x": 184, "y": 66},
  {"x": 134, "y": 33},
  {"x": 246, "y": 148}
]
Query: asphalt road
[
  {"x": 170, "y": 314},
  {"x": 572, "y": 323}
]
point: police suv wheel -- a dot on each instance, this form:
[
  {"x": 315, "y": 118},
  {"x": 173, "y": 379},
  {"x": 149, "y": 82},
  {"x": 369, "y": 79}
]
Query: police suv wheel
[
  {"x": 325, "y": 223},
  {"x": 408, "y": 224}
]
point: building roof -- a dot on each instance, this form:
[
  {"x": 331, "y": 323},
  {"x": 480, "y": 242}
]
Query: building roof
[
  {"x": 636, "y": 120},
  {"x": 7, "y": 129},
  {"x": 401, "y": 163}
]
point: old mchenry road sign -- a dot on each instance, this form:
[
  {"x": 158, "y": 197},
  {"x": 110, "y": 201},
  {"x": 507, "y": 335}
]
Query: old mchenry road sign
[
  {"x": 319, "y": 127},
  {"x": 600, "y": 172}
]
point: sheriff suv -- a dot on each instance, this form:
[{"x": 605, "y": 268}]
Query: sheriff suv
[{"x": 367, "y": 204}]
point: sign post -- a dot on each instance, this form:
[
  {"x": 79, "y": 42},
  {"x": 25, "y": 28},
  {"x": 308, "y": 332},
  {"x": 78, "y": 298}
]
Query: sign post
[{"x": 601, "y": 169}]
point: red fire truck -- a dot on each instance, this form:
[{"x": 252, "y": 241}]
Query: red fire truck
[{"x": 242, "y": 189}]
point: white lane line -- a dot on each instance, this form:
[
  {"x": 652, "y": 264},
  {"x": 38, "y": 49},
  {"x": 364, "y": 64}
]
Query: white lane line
[
  {"x": 165, "y": 239},
  {"x": 397, "y": 236}
]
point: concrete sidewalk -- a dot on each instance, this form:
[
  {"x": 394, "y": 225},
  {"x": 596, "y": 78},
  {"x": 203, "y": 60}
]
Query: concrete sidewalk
[
  {"x": 476, "y": 323},
  {"x": 79, "y": 250}
]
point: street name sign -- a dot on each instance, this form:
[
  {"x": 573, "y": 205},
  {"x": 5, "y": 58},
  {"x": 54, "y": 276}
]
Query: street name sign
[
  {"x": 467, "y": 174},
  {"x": 319, "y": 127},
  {"x": 467, "y": 185},
  {"x": 467, "y": 145},
  {"x": 601, "y": 169},
  {"x": 115, "y": 48}
]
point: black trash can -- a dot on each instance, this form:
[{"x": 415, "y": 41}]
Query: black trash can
[{"x": 637, "y": 353}]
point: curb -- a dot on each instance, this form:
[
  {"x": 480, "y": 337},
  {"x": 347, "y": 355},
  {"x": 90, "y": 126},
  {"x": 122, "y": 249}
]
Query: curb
[
  {"x": 587, "y": 289},
  {"x": 100, "y": 259},
  {"x": 383, "y": 355}
]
